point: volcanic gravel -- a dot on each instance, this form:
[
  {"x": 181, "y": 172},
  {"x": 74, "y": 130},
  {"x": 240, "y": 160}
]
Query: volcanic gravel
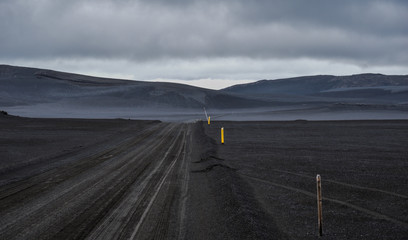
[{"x": 127, "y": 179}]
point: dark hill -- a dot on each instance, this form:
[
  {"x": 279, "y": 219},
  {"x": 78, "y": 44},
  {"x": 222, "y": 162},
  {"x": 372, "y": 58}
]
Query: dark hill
[
  {"x": 47, "y": 93},
  {"x": 25, "y": 86},
  {"x": 377, "y": 87}
]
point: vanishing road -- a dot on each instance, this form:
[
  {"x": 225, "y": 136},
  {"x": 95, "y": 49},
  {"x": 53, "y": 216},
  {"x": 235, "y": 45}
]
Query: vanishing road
[{"x": 131, "y": 186}]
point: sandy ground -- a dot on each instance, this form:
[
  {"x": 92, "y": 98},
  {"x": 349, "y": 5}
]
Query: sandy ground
[
  {"x": 93, "y": 179},
  {"x": 125, "y": 179},
  {"x": 269, "y": 169}
]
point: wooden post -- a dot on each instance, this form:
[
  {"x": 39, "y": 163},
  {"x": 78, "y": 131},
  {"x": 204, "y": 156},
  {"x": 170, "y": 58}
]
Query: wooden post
[
  {"x": 319, "y": 204},
  {"x": 222, "y": 135}
]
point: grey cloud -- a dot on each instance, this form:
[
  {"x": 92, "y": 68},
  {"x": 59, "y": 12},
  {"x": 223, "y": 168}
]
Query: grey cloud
[
  {"x": 362, "y": 15},
  {"x": 364, "y": 32}
]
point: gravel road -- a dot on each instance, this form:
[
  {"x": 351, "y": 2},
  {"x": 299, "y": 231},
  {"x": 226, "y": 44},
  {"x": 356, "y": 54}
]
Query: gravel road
[{"x": 128, "y": 184}]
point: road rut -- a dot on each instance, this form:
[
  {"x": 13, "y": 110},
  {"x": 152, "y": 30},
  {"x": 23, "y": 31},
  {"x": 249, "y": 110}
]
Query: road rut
[{"x": 128, "y": 190}]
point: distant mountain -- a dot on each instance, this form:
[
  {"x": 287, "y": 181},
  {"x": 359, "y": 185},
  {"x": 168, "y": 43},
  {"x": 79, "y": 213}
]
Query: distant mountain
[
  {"x": 46, "y": 93},
  {"x": 28, "y": 86},
  {"x": 367, "y": 87}
]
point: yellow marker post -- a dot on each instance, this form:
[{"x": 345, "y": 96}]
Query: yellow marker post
[
  {"x": 209, "y": 120},
  {"x": 222, "y": 135}
]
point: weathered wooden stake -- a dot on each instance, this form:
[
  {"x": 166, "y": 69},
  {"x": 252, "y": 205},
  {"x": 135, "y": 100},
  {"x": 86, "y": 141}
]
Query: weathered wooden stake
[
  {"x": 319, "y": 204},
  {"x": 222, "y": 135}
]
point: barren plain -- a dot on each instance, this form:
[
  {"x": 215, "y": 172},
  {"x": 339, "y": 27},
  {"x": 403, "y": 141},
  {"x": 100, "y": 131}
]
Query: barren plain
[{"x": 127, "y": 179}]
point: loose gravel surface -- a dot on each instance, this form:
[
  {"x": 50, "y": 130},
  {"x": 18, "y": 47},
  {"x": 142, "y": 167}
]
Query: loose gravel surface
[
  {"x": 93, "y": 179},
  {"x": 363, "y": 165},
  {"x": 126, "y": 179}
]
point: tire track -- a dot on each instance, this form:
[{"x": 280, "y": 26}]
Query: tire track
[
  {"x": 70, "y": 190},
  {"x": 42, "y": 183},
  {"x": 337, "y": 182},
  {"x": 184, "y": 185},
  {"x": 313, "y": 195},
  {"x": 86, "y": 162},
  {"x": 112, "y": 226},
  {"x": 156, "y": 192},
  {"x": 170, "y": 199},
  {"x": 48, "y": 163},
  {"x": 97, "y": 208},
  {"x": 125, "y": 179},
  {"x": 346, "y": 184}
]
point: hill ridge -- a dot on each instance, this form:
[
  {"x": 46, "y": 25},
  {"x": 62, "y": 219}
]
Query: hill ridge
[{"x": 42, "y": 92}]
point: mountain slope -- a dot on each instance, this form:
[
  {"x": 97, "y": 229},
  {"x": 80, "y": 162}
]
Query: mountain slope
[
  {"x": 45, "y": 93},
  {"x": 25, "y": 86},
  {"x": 378, "y": 87}
]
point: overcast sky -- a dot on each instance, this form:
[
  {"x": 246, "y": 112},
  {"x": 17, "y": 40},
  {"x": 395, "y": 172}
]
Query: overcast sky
[{"x": 211, "y": 43}]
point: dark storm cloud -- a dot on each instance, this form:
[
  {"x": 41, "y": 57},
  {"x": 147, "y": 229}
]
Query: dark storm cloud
[{"x": 362, "y": 32}]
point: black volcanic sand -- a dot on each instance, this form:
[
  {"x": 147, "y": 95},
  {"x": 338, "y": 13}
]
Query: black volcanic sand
[
  {"x": 121, "y": 179},
  {"x": 32, "y": 145},
  {"x": 261, "y": 182},
  {"x": 76, "y": 179}
]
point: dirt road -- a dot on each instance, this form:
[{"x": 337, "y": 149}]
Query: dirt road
[{"x": 129, "y": 186}]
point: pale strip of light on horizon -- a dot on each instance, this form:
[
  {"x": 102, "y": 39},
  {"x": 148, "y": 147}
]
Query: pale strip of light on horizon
[
  {"x": 209, "y": 83},
  {"x": 208, "y": 73}
]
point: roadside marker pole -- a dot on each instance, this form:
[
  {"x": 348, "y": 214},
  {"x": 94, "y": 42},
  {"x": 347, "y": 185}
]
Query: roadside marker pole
[
  {"x": 319, "y": 204},
  {"x": 209, "y": 120},
  {"x": 222, "y": 135}
]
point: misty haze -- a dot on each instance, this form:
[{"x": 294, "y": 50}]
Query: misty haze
[{"x": 203, "y": 119}]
